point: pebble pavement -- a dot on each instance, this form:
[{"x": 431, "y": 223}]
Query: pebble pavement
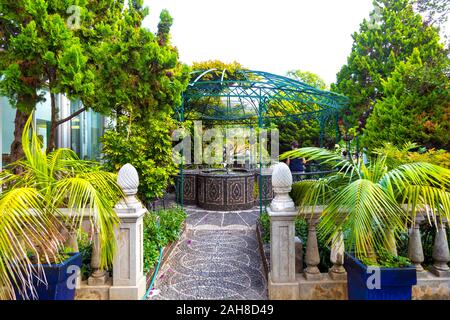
[{"x": 217, "y": 258}]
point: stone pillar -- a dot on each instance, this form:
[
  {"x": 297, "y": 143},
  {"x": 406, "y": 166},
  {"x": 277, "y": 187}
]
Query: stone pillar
[
  {"x": 282, "y": 212},
  {"x": 129, "y": 282},
  {"x": 312, "y": 257},
  {"x": 415, "y": 249},
  {"x": 337, "y": 271},
  {"x": 441, "y": 254},
  {"x": 392, "y": 244},
  {"x": 98, "y": 277}
]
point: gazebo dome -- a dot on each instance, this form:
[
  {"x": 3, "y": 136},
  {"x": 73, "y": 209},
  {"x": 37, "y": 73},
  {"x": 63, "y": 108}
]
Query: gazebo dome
[{"x": 215, "y": 95}]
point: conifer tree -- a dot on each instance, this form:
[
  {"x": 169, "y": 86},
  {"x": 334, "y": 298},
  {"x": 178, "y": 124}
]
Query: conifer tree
[
  {"x": 141, "y": 82},
  {"x": 45, "y": 46},
  {"x": 388, "y": 38},
  {"x": 415, "y": 107}
]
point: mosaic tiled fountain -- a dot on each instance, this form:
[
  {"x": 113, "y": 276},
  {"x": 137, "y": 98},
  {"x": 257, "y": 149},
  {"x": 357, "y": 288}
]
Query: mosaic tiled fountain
[{"x": 220, "y": 190}]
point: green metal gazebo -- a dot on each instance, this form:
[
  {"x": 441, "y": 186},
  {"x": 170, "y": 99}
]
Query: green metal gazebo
[{"x": 256, "y": 99}]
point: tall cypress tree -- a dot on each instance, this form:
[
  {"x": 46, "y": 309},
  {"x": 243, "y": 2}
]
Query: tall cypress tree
[
  {"x": 141, "y": 81},
  {"x": 389, "y": 38},
  {"x": 416, "y": 105}
]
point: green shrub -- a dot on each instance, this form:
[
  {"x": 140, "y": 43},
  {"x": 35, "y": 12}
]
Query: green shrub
[
  {"x": 85, "y": 249},
  {"x": 428, "y": 233},
  {"x": 301, "y": 231},
  {"x": 160, "y": 228},
  {"x": 148, "y": 148},
  {"x": 265, "y": 226}
]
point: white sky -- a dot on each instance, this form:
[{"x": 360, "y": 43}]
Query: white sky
[{"x": 267, "y": 35}]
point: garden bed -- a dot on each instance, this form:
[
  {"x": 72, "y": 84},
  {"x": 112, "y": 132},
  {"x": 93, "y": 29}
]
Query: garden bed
[
  {"x": 166, "y": 254},
  {"x": 264, "y": 249}
]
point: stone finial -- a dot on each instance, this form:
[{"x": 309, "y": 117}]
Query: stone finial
[
  {"x": 128, "y": 179},
  {"x": 281, "y": 178},
  {"x": 282, "y": 185}
]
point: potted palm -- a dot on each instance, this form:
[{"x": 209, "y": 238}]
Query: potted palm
[
  {"x": 372, "y": 204},
  {"x": 34, "y": 262}
]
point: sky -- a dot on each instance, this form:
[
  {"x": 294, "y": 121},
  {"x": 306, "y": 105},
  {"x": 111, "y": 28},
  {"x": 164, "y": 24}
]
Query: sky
[{"x": 266, "y": 35}]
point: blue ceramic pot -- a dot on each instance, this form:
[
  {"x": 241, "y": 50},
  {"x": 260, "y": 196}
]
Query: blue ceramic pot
[
  {"x": 366, "y": 283},
  {"x": 60, "y": 280}
]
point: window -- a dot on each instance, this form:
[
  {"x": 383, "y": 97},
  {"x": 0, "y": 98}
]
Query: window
[
  {"x": 86, "y": 131},
  {"x": 7, "y": 115}
]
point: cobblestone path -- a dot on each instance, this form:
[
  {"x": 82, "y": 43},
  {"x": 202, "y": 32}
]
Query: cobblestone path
[{"x": 216, "y": 258}]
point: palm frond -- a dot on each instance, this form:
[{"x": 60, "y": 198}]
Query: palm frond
[
  {"x": 21, "y": 233},
  {"x": 422, "y": 186},
  {"x": 92, "y": 194},
  {"x": 367, "y": 211},
  {"x": 310, "y": 193},
  {"x": 30, "y": 221}
]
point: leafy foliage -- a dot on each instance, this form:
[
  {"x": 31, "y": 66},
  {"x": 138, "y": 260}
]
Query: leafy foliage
[
  {"x": 160, "y": 228},
  {"x": 309, "y": 78},
  {"x": 44, "y": 50},
  {"x": 30, "y": 218},
  {"x": 366, "y": 200},
  {"x": 410, "y": 153},
  {"x": 147, "y": 148},
  {"x": 143, "y": 81},
  {"x": 387, "y": 260},
  {"x": 415, "y": 106},
  {"x": 390, "y": 37}
]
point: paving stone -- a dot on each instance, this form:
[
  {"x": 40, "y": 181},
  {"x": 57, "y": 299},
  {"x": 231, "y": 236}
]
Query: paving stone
[{"x": 214, "y": 262}]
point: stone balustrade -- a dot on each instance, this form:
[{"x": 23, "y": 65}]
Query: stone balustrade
[
  {"x": 285, "y": 280},
  {"x": 128, "y": 281}
]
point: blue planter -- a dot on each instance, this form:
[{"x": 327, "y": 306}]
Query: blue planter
[
  {"x": 392, "y": 283},
  {"x": 60, "y": 280}
]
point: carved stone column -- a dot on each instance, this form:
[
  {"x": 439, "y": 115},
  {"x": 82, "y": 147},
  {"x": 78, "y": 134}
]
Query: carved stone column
[
  {"x": 415, "y": 249},
  {"x": 98, "y": 276},
  {"x": 337, "y": 271},
  {"x": 282, "y": 212},
  {"x": 392, "y": 243},
  {"x": 441, "y": 254},
  {"x": 129, "y": 282},
  {"x": 312, "y": 257}
]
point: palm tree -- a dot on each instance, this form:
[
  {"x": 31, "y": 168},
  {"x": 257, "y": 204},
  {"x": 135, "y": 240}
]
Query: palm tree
[
  {"x": 373, "y": 202},
  {"x": 31, "y": 223}
]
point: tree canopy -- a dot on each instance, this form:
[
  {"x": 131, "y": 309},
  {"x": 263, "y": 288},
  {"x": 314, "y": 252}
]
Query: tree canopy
[
  {"x": 47, "y": 46},
  {"x": 142, "y": 82},
  {"x": 389, "y": 38},
  {"x": 399, "y": 68},
  {"x": 416, "y": 106}
]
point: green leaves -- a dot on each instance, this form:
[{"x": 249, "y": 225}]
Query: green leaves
[
  {"x": 160, "y": 228},
  {"x": 141, "y": 81},
  {"x": 415, "y": 105},
  {"x": 366, "y": 212},
  {"x": 30, "y": 219},
  {"x": 371, "y": 202},
  {"x": 376, "y": 53}
]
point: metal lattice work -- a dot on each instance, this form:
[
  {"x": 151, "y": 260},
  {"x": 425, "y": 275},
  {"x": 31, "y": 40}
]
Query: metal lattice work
[
  {"x": 255, "y": 98},
  {"x": 214, "y": 95}
]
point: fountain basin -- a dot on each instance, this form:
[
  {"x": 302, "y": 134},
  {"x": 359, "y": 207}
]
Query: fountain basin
[{"x": 219, "y": 190}]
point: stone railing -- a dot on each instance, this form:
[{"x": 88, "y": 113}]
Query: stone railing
[
  {"x": 288, "y": 280},
  {"x": 128, "y": 281}
]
